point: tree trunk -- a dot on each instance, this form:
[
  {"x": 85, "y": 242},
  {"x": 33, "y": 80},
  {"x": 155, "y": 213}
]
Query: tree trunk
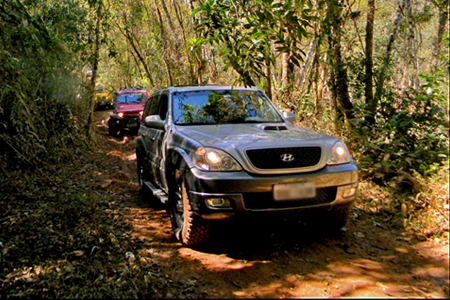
[
  {"x": 268, "y": 77},
  {"x": 370, "y": 101},
  {"x": 387, "y": 56},
  {"x": 164, "y": 42},
  {"x": 285, "y": 69},
  {"x": 318, "y": 89},
  {"x": 132, "y": 40},
  {"x": 339, "y": 73},
  {"x": 312, "y": 49},
  {"x": 169, "y": 21},
  {"x": 191, "y": 7},
  {"x": 183, "y": 35},
  {"x": 442, "y": 22},
  {"x": 95, "y": 59},
  {"x": 407, "y": 79}
]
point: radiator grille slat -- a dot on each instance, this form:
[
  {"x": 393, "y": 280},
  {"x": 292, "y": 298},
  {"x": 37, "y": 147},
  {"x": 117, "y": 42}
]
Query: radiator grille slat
[{"x": 271, "y": 158}]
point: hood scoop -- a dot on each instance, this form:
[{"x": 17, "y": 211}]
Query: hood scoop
[{"x": 274, "y": 127}]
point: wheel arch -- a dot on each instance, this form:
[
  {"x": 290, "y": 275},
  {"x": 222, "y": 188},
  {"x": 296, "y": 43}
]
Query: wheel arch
[{"x": 177, "y": 158}]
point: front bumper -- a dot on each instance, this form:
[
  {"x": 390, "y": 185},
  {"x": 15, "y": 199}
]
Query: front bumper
[
  {"x": 128, "y": 121},
  {"x": 253, "y": 193}
]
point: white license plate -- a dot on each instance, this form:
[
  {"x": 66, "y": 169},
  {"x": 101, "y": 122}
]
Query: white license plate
[
  {"x": 292, "y": 191},
  {"x": 132, "y": 125}
]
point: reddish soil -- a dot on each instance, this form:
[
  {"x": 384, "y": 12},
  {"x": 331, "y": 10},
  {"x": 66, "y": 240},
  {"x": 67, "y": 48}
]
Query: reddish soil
[{"x": 277, "y": 256}]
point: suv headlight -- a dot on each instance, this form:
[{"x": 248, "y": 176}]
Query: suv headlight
[
  {"x": 210, "y": 159},
  {"x": 339, "y": 154}
]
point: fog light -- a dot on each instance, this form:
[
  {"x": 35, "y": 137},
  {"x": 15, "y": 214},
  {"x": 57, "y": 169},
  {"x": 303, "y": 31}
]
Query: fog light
[
  {"x": 218, "y": 202},
  {"x": 349, "y": 192}
]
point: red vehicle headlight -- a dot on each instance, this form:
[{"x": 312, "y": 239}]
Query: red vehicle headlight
[{"x": 120, "y": 115}]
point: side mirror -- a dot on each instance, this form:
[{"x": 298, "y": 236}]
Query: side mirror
[
  {"x": 154, "y": 121},
  {"x": 289, "y": 116}
]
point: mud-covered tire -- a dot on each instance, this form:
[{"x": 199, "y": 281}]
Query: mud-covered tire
[
  {"x": 112, "y": 130},
  {"x": 339, "y": 215},
  {"x": 189, "y": 228},
  {"x": 334, "y": 217}
]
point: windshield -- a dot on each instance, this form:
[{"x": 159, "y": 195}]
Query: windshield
[
  {"x": 218, "y": 107},
  {"x": 130, "y": 98},
  {"x": 99, "y": 90}
]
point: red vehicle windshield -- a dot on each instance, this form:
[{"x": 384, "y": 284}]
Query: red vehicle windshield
[{"x": 130, "y": 98}]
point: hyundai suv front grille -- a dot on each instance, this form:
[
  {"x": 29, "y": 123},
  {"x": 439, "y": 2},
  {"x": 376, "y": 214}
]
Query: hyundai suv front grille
[{"x": 285, "y": 158}]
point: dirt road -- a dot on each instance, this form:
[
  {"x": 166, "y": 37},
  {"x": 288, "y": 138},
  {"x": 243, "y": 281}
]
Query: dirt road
[{"x": 276, "y": 257}]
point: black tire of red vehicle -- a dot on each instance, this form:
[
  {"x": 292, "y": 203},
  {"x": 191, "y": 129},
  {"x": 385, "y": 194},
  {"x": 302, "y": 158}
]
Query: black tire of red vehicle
[
  {"x": 112, "y": 130},
  {"x": 189, "y": 228},
  {"x": 134, "y": 131}
]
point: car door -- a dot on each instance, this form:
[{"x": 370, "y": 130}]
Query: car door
[
  {"x": 148, "y": 135},
  {"x": 158, "y": 141}
]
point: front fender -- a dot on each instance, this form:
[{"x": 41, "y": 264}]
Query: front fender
[
  {"x": 140, "y": 146},
  {"x": 179, "y": 158}
]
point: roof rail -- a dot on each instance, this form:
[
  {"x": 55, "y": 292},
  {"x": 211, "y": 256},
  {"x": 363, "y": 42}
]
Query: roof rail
[
  {"x": 193, "y": 84},
  {"x": 131, "y": 89}
]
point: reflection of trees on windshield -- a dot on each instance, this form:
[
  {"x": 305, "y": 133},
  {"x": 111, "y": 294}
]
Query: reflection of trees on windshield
[
  {"x": 208, "y": 107},
  {"x": 130, "y": 98}
]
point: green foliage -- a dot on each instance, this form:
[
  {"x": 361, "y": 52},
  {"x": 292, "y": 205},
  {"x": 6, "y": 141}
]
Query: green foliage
[
  {"x": 38, "y": 104},
  {"x": 408, "y": 135},
  {"x": 250, "y": 28}
]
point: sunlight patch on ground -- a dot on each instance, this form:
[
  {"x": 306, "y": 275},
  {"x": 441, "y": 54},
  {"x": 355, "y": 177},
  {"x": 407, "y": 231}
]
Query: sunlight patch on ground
[
  {"x": 341, "y": 268},
  {"x": 256, "y": 290},
  {"x": 401, "y": 250},
  {"x": 430, "y": 270},
  {"x": 122, "y": 156},
  {"x": 217, "y": 262},
  {"x": 368, "y": 264},
  {"x": 118, "y": 154},
  {"x": 123, "y": 141},
  {"x": 147, "y": 224}
]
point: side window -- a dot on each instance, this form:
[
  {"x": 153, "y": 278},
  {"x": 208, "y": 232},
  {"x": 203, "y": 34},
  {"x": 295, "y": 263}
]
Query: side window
[
  {"x": 164, "y": 105},
  {"x": 148, "y": 105},
  {"x": 154, "y": 105}
]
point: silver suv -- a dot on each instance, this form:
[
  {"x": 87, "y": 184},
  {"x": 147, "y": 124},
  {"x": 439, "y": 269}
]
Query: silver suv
[{"x": 212, "y": 152}]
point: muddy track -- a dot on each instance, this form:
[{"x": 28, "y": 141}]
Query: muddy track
[{"x": 277, "y": 256}]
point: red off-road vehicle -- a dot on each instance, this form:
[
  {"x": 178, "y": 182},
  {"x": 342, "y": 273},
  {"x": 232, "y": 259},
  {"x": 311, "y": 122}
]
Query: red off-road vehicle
[{"x": 129, "y": 104}]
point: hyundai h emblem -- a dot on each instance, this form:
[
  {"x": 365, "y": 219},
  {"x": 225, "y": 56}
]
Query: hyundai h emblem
[{"x": 287, "y": 157}]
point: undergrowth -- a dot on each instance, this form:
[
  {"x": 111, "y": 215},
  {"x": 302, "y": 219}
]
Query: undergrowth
[{"x": 64, "y": 235}]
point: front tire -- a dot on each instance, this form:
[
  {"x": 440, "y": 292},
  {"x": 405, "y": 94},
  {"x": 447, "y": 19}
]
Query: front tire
[
  {"x": 339, "y": 215},
  {"x": 189, "y": 228},
  {"x": 112, "y": 130},
  {"x": 330, "y": 219}
]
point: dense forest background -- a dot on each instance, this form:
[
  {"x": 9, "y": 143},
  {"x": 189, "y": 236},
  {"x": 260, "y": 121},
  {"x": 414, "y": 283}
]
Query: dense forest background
[{"x": 374, "y": 73}]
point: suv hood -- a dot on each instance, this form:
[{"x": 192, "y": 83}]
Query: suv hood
[
  {"x": 243, "y": 136},
  {"x": 236, "y": 139}
]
